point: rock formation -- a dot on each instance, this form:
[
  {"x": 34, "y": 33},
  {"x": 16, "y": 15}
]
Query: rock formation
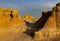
[
  {"x": 11, "y": 24},
  {"x": 29, "y": 18},
  {"x": 50, "y": 24},
  {"x": 28, "y": 28}
]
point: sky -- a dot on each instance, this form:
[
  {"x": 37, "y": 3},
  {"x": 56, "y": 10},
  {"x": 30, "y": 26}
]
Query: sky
[{"x": 31, "y": 7}]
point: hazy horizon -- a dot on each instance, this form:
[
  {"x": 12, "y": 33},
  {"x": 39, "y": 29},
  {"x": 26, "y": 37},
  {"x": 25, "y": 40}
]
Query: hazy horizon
[{"x": 32, "y": 7}]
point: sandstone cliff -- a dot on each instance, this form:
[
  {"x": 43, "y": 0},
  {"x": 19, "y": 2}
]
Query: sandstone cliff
[
  {"x": 10, "y": 21},
  {"x": 49, "y": 24}
]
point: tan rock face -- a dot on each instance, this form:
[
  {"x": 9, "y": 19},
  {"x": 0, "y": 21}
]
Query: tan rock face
[
  {"x": 11, "y": 24},
  {"x": 29, "y": 18},
  {"x": 58, "y": 15},
  {"x": 10, "y": 20},
  {"x": 50, "y": 26}
]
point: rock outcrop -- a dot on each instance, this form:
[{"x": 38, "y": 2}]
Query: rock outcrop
[
  {"x": 50, "y": 24},
  {"x": 29, "y": 18},
  {"x": 11, "y": 24}
]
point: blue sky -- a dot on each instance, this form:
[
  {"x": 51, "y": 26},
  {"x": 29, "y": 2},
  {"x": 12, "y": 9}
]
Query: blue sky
[{"x": 32, "y": 7}]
